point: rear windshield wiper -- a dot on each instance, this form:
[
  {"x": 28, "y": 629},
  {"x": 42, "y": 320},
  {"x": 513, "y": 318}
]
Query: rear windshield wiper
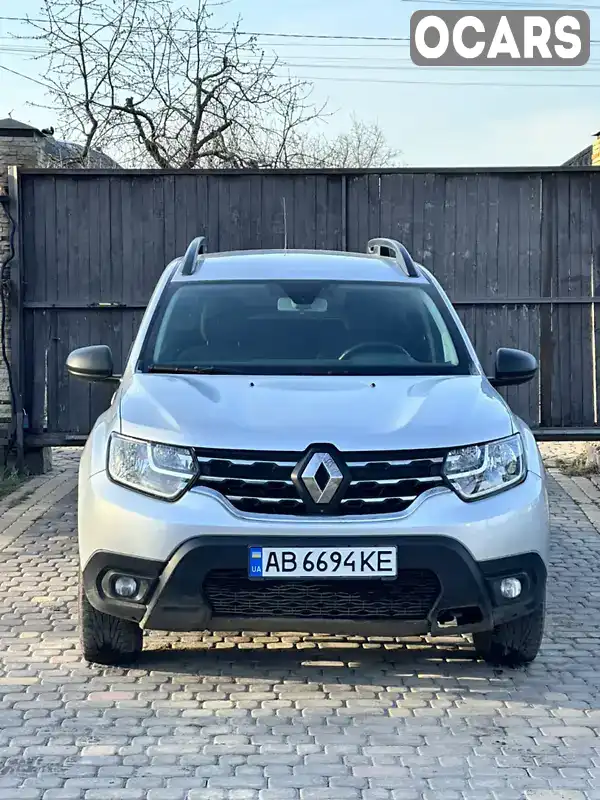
[{"x": 179, "y": 370}]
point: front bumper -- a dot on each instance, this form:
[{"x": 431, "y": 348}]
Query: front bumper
[
  {"x": 117, "y": 520},
  {"x": 204, "y": 586}
]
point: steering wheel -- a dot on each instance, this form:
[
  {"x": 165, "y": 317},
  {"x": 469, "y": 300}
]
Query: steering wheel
[{"x": 381, "y": 346}]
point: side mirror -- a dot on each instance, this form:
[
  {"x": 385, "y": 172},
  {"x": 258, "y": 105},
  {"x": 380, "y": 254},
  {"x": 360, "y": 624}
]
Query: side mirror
[
  {"x": 513, "y": 367},
  {"x": 93, "y": 363}
]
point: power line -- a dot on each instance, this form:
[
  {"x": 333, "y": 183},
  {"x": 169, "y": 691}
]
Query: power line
[
  {"x": 26, "y": 77},
  {"x": 484, "y": 84},
  {"x": 508, "y": 4},
  {"x": 385, "y": 65},
  {"x": 319, "y": 36},
  {"x": 228, "y": 33},
  {"x": 378, "y": 80}
]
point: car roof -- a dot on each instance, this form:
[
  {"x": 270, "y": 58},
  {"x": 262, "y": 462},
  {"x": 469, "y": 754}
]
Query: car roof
[{"x": 266, "y": 265}]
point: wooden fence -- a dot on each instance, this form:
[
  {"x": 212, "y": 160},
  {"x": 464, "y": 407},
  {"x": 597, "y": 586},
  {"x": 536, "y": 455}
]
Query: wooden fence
[{"x": 517, "y": 251}]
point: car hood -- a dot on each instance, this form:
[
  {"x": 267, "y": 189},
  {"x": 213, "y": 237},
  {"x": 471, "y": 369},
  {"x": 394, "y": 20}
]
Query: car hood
[{"x": 291, "y": 413}]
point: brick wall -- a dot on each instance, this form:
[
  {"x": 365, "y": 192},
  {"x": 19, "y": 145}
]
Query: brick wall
[{"x": 22, "y": 148}]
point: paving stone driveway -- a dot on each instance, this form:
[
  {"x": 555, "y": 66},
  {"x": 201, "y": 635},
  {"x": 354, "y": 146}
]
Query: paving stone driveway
[{"x": 306, "y": 717}]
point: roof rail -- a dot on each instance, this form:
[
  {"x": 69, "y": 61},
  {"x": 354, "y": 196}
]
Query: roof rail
[
  {"x": 401, "y": 255},
  {"x": 195, "y": 248}
]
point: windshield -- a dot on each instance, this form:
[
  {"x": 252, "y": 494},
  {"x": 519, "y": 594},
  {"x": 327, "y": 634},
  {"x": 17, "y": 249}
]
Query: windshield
[{"x": 304, "y": 327}]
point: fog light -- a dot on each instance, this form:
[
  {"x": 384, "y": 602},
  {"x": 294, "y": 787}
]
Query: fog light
[
  {"x": 126, "y": 586},
  {"x": 510, "y": 588}
]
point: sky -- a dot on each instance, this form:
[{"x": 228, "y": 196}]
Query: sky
[{"x": 544, "y": 117}]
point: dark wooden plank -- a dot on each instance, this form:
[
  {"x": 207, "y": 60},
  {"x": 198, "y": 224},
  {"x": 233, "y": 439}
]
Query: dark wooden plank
[
  {"x": 530, "y": 210},
  {"x": 356, "y": 188},
  {"x": 390, "y": 212},
  {"x": 581, "y": 352},
  {"x": 469, "y": 261},
  {"x": 186, "y": 203},
  {"x": 42, "y": 344},
  {"x": 446, "y": 271},
  {"x": 103, "y": 263},
  {"x": 373, "y": 213},
  {"x": 48, "y": 212},
  {"x": 403, "y": 194},
  {"x": 460, "y": 249},
  {"x": 562, "y": 411},
  {"x": 253, "y": 222},
  {"x": 433, "y": 221},
  {"x": 512, "y": 265},
  {"x": 116, "y": 244},
  {"x": 66, "y": 246},
  {"x": 96, "y": 224},
  {"x": 322, "y": 241},
  {"x": 61, "y": 413},
  {"x": 363, "y": 209},
  {"x": 27, "y": 344},
  {"x": 201, "y": 211},
  {"x": 302, "y": 219},
  {"x": 230, "y": 209},
  {"x": 32, "y": 288},
  {"x": 41, "y": 201},
  {"x": 169, "y": 227},
  {"x": 271, "y": 213},
  {"x": 80, "y": 267},
  {"x": 587, "y": 383},
  {"x": 480, "y": 286},
  {"x": 130, "y": 259},
  {"x": 420, "y": 189},
  {"x": 595, "y": 281},
  {"x": 210, "y": 222},
  {"x": 547, "y": 264},
  {"x": 155, "y": 236},
  {"x": 57, "y": 378},
  {"x": 504, "y": 236}
]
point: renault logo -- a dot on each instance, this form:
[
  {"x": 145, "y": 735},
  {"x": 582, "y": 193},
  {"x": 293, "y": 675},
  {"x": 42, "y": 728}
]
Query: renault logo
[{"x": 322, "y": 477}]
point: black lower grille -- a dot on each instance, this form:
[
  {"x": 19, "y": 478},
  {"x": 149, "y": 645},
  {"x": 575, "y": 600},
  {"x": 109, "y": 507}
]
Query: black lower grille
[{"x": 410, "y": 596}]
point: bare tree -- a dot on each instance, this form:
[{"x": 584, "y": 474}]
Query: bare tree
[
  {"x": 363, "y": 145},
  {"x": 155, "y": 85}
]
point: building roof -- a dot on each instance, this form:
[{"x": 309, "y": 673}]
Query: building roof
[
  {"x": 13, "y": 124},
  {"x": 68, "y": 154},
  {"x": 59, "y": 153},
  {"x": 582, "y": 159}
]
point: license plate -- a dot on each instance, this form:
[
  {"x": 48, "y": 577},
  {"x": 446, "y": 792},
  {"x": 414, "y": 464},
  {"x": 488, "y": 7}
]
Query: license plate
[{"x": 328, "y": 562}]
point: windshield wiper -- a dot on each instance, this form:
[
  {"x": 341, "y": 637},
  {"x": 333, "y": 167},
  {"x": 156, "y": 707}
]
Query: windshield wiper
[{"x": 179, "y": 370}]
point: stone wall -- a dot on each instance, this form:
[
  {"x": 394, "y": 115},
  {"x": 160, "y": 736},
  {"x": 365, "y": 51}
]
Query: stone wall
[{"x": 20, "y": 146}]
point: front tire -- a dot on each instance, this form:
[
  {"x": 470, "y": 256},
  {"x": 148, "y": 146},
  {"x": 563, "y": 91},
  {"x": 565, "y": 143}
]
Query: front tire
[
  {"x": 513, "y": 643},
  {"x": 106, "y": 639}
]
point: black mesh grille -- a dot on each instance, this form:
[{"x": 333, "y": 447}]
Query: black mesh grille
[
  {"x": 379, "y": 483},
  {"x": 410, "y": 596}
]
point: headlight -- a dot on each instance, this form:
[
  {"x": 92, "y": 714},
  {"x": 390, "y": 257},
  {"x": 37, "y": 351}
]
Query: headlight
[
  {"x": 158, "y": 469},
  {"x": 483, "y": 469}
]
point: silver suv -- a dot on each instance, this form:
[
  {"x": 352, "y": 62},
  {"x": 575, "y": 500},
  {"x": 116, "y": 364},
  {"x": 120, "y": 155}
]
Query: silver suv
[{"x": 306, "y": 440}]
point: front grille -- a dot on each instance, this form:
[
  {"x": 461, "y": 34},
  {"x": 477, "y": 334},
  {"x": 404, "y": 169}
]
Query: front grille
[
  {"x": 379, "y": 483},
  {"x": 410, "y": 596}
]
